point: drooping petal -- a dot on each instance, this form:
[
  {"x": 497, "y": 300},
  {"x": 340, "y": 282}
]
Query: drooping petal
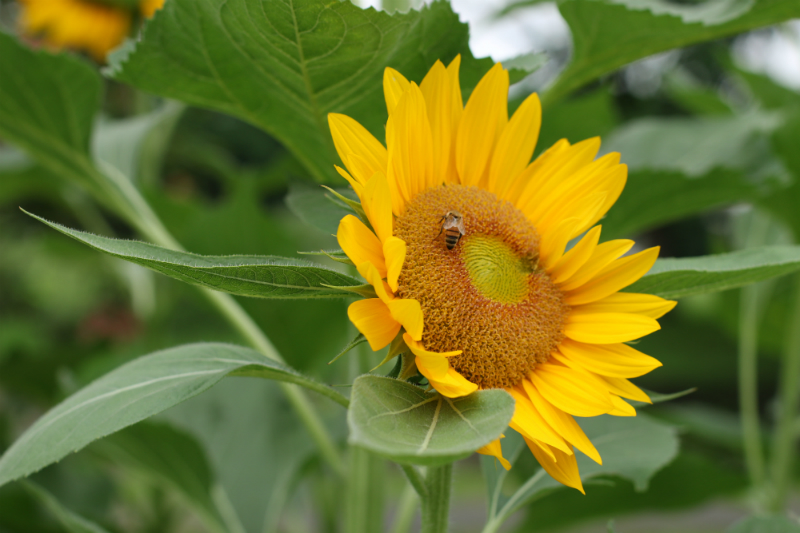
[
  {"x": 614, "y": 360},
  {"x": 360, "y": 244},
  {"x": 394, "y": 85},
  {"x": 575, "y": 258},
  {"x": 437, "y": 90},
  {"x": 530, "y": 424},
  {"x": 561, "y": 467},
  {"x": 394, "y": 250},
  {"x": 628, "y": 302},
  {"x": 454, "y": 385},
  {"x": 372, "y": 318},
  {"x": 409, "y": 141},
  {"x": 608, "y": 328},
  {"x": 516, "y": 144},
  {"x": 409, "y": 314},
  {"x": 357, "y": 187},
  {"x": 483, "y": 121},
  {"x": 562, "y": 423},
  {"x": 436, "y": 363},
  {"x": 377, "y": 204},
  {"x": 618, "y": 275},
  {"x": 351, "y": 138},
  {"x": 571, "y": 391},
  {"x": 494, "y": 449}
]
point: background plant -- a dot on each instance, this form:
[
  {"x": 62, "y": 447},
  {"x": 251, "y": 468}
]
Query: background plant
[{"x": 233, "y": 168}]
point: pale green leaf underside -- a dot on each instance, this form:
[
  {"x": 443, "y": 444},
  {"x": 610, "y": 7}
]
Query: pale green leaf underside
[
  {"x": 284, "y": 65},
  {"x": 243, "y": 275},
  {"x": 607, "y": 36},
  {"x": 677, "y": 278},
  {"x": 135, "y": 391},
  {"x": 765, "y": 524},
  {"x": 404, "y": 423}
]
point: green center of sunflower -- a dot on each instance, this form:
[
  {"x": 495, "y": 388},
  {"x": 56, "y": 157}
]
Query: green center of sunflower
[{"x": 484, "y": 295}]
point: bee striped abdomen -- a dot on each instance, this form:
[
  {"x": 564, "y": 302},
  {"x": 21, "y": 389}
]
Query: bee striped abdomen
[
  {"x": 451, "y": 237},
  {"x": 453, "y": 228}
]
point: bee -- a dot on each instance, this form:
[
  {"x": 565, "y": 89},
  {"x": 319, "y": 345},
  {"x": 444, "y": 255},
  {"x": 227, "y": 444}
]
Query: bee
[{"x": 453, "y": 228}]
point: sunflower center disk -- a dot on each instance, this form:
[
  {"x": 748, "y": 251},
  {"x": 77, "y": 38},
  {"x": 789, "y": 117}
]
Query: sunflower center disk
[{"x": 486, "y": 296}]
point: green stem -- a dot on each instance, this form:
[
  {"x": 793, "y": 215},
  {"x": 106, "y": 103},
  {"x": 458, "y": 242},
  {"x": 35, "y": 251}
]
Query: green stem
[
  {"x": 785, "y": 435},
  {"x": 436, "y": 503},
  {"x": 748, "y": 384},
  {"x": 416, "y": 480},
  {"x": 135, "y": 208}
]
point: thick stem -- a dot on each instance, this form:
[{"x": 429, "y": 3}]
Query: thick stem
[
  {"x": 748, "y": 384},
  {"x": 783, "y": 450},
  {"x": 436, "y": 503}
]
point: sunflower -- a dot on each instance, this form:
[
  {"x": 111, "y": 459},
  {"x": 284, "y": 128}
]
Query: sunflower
[
  {"x": 88, "y": 25},
  {"x": 505, "y": 305}
]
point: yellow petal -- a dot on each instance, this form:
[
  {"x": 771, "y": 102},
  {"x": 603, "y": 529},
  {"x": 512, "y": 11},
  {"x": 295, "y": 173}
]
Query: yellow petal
[
  {"x": 615, "y": 360},
  {"x": 494, "y": 449},
  {"x": 409, "y": 314},
  {"x": 456, "y": 110},
  {"x": 516, "y": 144},
  {"x": 571, "y": 391},
  {"x": 360, "y": 244},
  {"x": 574, "y": 259},
  {"x": 437, "y": 91},
  {"x": 408, "y": 136},
  {"x": 553, "y": 242},
  {"x": 530, "y": 423},
  {"x": 373, "y": 319},
  {"x": 602, "y": 256},
  {"x": 484, "y": 118},
  {"x": 377, "y": 204},
  {"x": 394, "y": 85},
  {"x": 618, "y": 275},
  {"x": 616, "y": 183},
  {"x": 621, "y": 407},
  {"x": 561, "y": 467},
  {"x": 351, "y": 138},
  {"x": 454, "y": 385},
  {"x": 562, "y": 422},
  {"x": 394, "y": 250},
  {"x": 435, "y": 363},
  {"x": 608, "y": 328},
  {"x": 543, "y": 191},
  {"x": 534, "y": 176},
  {"x": 357, "y": 187},
  {"x": 626, "y": 389},
  {"x": 628, "y": 302}
]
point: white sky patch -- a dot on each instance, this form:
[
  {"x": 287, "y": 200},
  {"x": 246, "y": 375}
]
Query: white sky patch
[{"x": 774, "y": 52}]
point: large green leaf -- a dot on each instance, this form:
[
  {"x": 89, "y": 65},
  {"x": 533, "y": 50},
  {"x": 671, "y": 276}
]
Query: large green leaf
[
  {"x": 634, "y": 448},
  {"x": 401, "y": 421},
  {"x": 677, "y": 278},
  {"x": 607, "y": 35},
  {"x": 135, "y": 391},
  {"x": 243, "y": 275},
  {"x": 69, "y": 520},
  {"x": 285, "y": 65},
  {"x": 47, "y": 105},
  {"x": 170, "y": 455}
]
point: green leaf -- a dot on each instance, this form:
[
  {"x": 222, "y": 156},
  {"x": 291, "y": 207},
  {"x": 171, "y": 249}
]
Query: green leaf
[
  {"x": 677, "y": 278},
  {"x": 634, "y": 448},
  {"x": 72, "y": 522},
  {"x": 47, "y": 105},
  {"x": 404, "y": 423},
  {"x": 135, "y": 391},
  {"x": 693, "y": 146},
  {"x": 285, "y": 65},
  {"x": 608, "y": 35},
  {"x": 765, "y": 524},
  {"x": 243, "y": 275},
  {"x": 168, "y": 454}
]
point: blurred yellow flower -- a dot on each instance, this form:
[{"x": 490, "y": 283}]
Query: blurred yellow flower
[
  {"x": 466, "y": 250},
  {"x": 86, "y": 25}
]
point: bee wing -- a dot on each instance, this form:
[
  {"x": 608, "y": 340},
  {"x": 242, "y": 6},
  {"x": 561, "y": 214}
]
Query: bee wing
[{"x": 460, "y": 225}]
